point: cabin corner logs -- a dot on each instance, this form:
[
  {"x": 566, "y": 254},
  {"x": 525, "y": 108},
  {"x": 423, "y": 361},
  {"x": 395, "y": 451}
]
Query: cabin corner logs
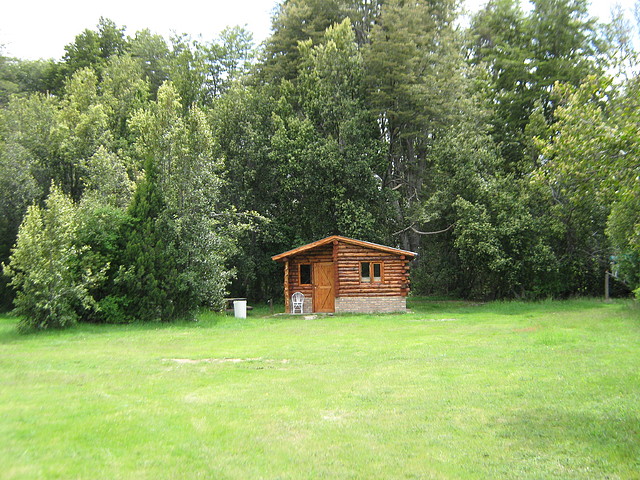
[{"x": 339, "y": 274}]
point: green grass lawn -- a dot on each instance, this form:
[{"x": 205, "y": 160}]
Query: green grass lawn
[{"x": 452, "y": 391}]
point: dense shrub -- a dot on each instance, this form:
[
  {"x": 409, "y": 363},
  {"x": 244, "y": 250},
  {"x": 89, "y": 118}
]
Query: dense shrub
[{"x": 45, "y": 267}]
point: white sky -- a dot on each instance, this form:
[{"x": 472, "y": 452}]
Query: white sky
[{"x": 32, "y": 29}]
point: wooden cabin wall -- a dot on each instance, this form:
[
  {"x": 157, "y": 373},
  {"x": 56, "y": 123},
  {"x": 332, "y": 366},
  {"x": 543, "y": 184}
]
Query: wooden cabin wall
[
  {"x": 317, "y": 255},
  {"x": 395, "y": 272}
]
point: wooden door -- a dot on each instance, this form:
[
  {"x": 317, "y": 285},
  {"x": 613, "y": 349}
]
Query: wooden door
[{"x": 323, "y": 288}]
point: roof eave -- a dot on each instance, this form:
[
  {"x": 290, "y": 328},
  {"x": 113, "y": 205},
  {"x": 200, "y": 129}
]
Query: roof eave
[{"x": 283, "y": 256}]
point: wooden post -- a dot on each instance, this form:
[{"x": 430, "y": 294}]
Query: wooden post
[
  {"x": 286, "y": 286},
  {"x": 336, "y": 276},
  {"x": 606, "y": 286}
]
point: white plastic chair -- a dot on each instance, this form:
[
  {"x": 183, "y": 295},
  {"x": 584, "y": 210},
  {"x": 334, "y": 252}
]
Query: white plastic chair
[{"x": 297, "y": 301}]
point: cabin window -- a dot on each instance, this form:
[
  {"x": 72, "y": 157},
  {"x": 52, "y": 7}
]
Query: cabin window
[
  {"x": 365, "y": 272},
  {"x": 305, "y": 274},
  {"x": 370, "y": 272},
  {"x": 377, "y": 272}
]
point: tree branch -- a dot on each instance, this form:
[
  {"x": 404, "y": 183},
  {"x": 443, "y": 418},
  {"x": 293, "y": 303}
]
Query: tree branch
[{"x": 414, "y": 229}]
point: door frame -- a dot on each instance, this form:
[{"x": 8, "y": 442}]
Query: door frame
[{"x": 316, "y": 284}]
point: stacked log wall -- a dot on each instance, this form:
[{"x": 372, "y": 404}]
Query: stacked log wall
[
  {"x": 395, "y": 272},
  {"x": 347, "y": 259},
  {"x": 319, "y": 255}
]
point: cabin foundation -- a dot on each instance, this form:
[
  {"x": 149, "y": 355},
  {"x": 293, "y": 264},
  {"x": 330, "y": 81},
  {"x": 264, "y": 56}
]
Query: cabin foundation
[{"x": 371, "y": 304}]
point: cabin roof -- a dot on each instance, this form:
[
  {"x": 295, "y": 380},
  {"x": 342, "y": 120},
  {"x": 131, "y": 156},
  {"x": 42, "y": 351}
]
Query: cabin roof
[{"x": 352, "y": 241}]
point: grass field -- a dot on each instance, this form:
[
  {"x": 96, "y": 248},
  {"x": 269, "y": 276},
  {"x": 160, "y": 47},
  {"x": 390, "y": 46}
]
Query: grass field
[{"x": 545, "y": 390}]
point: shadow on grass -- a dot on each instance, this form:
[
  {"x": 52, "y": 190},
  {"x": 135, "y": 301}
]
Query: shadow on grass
[
  {"x": 569, "y": 434},
  {"x": 11, "y": 333},
  {"x": 512, "y": 307}
]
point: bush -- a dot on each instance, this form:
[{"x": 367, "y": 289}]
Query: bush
[
  {"x": 99, "y": 235},
  {"x": 45, "y": 267}
]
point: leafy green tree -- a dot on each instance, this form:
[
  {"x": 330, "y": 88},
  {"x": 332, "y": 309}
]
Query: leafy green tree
[
  {"x": 331, "y": 81},
  {"x": 15, "y": 177},
  {"x": 23, "y": 76},
  {"x": 344, "y": 178},
  {"x": 151, "y": 52},
  {"x": 621, "y": 57},
  {"x": 28, "y": 126},
  {"x": 414, "y": 79},
  {"x": 297, "y": 21},
  {"x": 227, "y": 60},
  {"x": 84, "y": 52},
  {"x": 44, "y": 267},
  {"x": 99, "y": 236},
  {"x": 565, "y": 44},
  {"x": 112, "y": 39},
  {"x": 82, "y": 127},
  {"x": 186, "y": 71},
  {"x": 305, "y": 156},
  {"x": 489, "y": 235},
  {"x": 242, "y": 122},
  {"x": 146, "y": 281},
  {"x": 123, "y": 91},
  {"x": 106, "y": 180},
  {"x": 505, "y": 245},
  {"x": 525, "y": 54},
  {"x": 293, "y": 22},
  {"x": 324, "y": 147},
  {"x": 501, "y": 44},
  {"x": 592, "y": 160},
  {"x": 26, "y": 145},
  {"x": 177, "y": 243},
  {"x": 91, "y": 49},
  {"x": 202, "y": 71},
  {"x": 102, "y": 223}
]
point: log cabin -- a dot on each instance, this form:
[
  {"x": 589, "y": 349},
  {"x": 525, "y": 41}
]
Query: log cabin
[{"x": 340, "y": 274}]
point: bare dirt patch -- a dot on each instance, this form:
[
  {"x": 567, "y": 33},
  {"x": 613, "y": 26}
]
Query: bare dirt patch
[
  {"x": 435, "y": 320},
  {"x": 191, "y": 361},
  {"x": 528, "y": 329}
]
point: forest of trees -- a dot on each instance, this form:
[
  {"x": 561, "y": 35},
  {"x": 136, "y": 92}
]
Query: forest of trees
[{"x": 143, "y": 178}]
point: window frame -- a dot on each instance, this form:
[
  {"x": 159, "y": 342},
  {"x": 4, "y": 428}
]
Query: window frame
[
  {"x": 371, "y": 278},
  {"x": 300, "y": 282}
]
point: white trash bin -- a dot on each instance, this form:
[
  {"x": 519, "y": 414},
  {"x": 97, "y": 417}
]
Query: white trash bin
[{"x": 240, "y": 308}]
